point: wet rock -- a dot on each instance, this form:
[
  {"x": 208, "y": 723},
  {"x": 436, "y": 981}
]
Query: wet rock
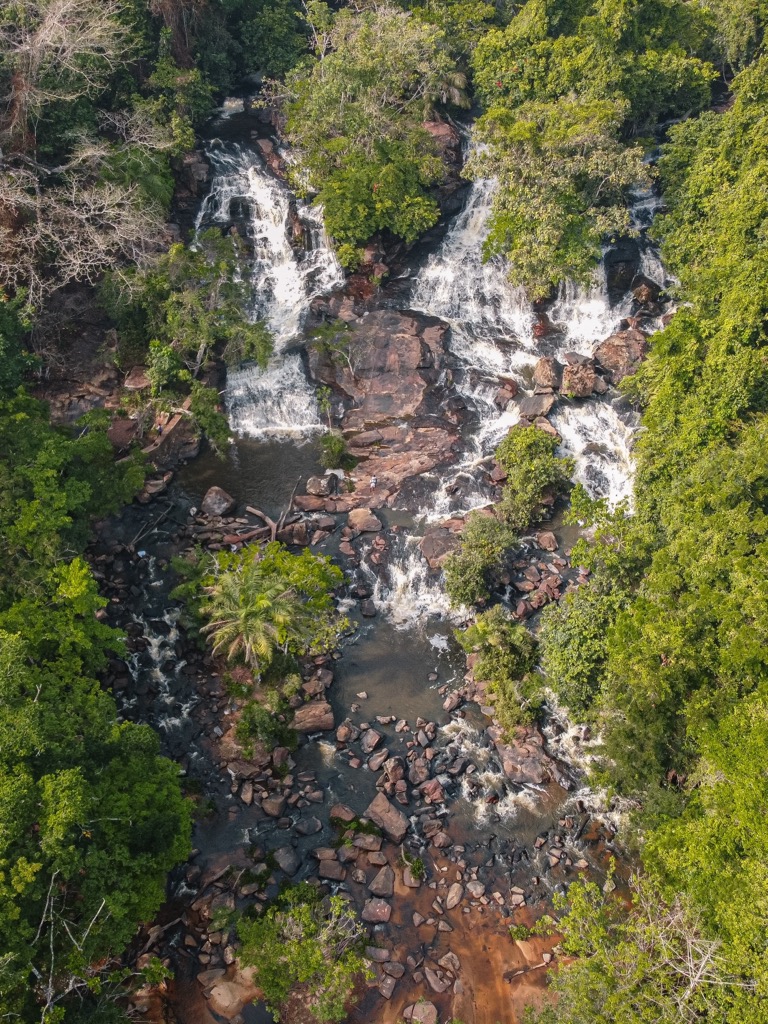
[
  {"x": 386, "y": 986},
  {"x": 394, "y": 969},
  {"x": 217, "y": 502},
  {"x": 342, "y": 813},
  {"x": 645, "y": 291},
  {"x": 377, "y": 760},
  {"x": 368, "y": 608},
  {"x": 547, "y": 374},
  {"x": 273, "y": 806},
  {"x": 437, "y": 544},
  {"x": 366, "y": 842},
  {"x": 418, "y": 772},
  {"x": 620, "y": 355},
  {"x": 227, "y": 998},
  {"x": 392, "y": 821},
  {"x": 450, "y": 962},
  {"x": 317, "y": 716},
  {"x": 287, "y": 860},
  {"x": 378, "y": 955},
  {"x": 452, "y": 701},
  {"x": 332, "y": 870},
  {"x": 536, "y": 405},
  {"x": 546, "y": 540},
  {"x": 437, "y": 980},
  {"x": 370, "y": 740},
  {"x": 208, "y": 978},
  {"x": 455, "y": 896},
  {"x": 383, "y": 882},
  {"x": 321, "y": 486},
  {"x": 409, "y": 879},
  {"x": 348, "y": 854},
  {"x": 578, "y": 376},
  {"x": 376, "y": 911},
  {"x": 504, "y": 396},
  {"x": 307, "y": 826},
  {"x": 420, "y": 1013},
  {"x": 363, "y": 520},
  {"x": 346, "y": 732},
  {"x": 324, "y": 853},
  {"x": 441, "y": 840},
  {"x": 432, "y": 791}
]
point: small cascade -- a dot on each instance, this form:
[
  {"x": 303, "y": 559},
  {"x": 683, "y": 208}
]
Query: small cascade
[
  {"x": 463, "y": 739},
  {"x": 288, "y": 264},
  {"x": 585, "y": 315},
  {"x": 599, "y": 436},
  {"x": 475, "y": 297},
  {"x": 411, "y": 593}
]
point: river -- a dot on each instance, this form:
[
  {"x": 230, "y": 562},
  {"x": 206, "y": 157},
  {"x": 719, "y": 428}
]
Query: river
[{"x": 405, "y": 657}]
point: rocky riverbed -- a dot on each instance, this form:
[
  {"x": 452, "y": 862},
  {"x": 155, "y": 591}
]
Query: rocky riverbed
[{"x": 402, "y": 792}]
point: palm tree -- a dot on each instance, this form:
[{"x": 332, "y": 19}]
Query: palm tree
[{"x": 251, "y": 614}]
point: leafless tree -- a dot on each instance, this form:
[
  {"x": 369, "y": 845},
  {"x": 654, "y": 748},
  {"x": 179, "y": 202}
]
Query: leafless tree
[{"x": 56, "y": 50}]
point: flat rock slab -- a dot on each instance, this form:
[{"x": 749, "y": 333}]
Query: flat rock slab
[
  {"x": 390, "y": 820},
  {"x": 317, "y": 716}
]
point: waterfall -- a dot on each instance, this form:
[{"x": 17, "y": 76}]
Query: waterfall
[
  {"x": 598, "y": 435},
  {"x": 492, "y": 334},
  {"x": 283, "y": 279}
]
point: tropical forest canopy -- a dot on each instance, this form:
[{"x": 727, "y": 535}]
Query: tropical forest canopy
[{"x": 663, "y": 652}]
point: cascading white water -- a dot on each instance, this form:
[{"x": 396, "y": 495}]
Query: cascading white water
[
  {"x": 410, "y": 595},
  {"x": 474, "y": 296},
  {"x": 492, "y": 333},
  {"x": 598, "y": 436},
  {"x": 283, "y": 280}
]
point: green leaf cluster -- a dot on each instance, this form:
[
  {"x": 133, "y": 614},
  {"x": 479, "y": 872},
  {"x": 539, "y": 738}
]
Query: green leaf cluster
[
  {"x": 535, "y": 475},
  {"x": 505, "y": 655},
  {"x": 355, "y": 114},
  {"x": 91, "y": 817},
  {"x": 473, "y": 569},
  {"x": 307, "y": 944},
  {"x": 564, "y": 86}
]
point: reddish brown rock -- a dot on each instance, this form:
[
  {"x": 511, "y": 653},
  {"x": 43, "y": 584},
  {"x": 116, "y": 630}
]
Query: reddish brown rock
[
  {"x": 390, "y": 820},
  {"x": 620, "y": 355},
  {"x": 317, "y": 716},
  {"x": 547, "y": 374}
]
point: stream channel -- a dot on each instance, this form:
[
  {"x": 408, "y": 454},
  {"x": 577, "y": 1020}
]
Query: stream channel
[{"x": 404, "y": 656}]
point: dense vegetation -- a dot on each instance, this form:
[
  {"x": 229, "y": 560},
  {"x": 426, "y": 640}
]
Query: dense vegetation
[{"x": 664, "y": 651}]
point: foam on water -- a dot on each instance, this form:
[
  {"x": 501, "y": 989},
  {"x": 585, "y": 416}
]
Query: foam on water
[{"x": 284, "y": 278}]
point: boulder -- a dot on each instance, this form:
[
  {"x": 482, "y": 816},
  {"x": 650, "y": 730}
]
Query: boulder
[
  {"x": 227, "y": 999},
  {"x": 578, "y": 378},
  {"x": 546, "y": 540},
  {"x": 332, "y": 870},
  {"x": 383, "y": 882},
  {"x": 273, "y": 806},
  {"x": 535, "y": 405},
  {"x": 288, "y": 860},
  {"x": 420, "y": 1013},
  {"x": 390, "y": 820},
  {"x": 317, "y": 716},
  {"x": 343, "y": 813},
  {"x": 217, "y": 502},
  {"x": 645, "y": 290},
  {"x": 437, "y": 544},
  {"x": 437, "y": 980},
  {"x": 376, "y": 911},
  {"x": 363, "y": 520},
  {"x": 620, "y": 355},
  {"x": 308, "y": 826},
  {"x": 455, "y": 896},
  {"x": 321, "y": 486},
  {"x": 370, "y": 740},
  {"x": 547, "y": 374}
]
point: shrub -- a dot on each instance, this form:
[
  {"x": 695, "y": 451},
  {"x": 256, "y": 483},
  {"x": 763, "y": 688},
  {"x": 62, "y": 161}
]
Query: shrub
[{"x": 470, "y": 571}]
